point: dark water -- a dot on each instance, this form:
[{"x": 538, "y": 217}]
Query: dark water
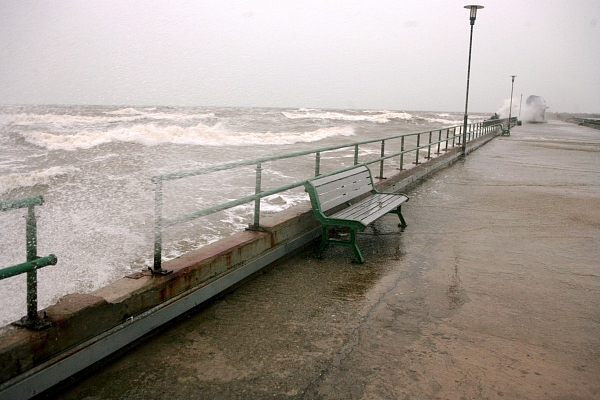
[{"x": 94, "y": 164}]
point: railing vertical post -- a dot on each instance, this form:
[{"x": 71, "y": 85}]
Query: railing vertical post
[
  {"x": 32, "y": 320},
  {"x": 158, "y": 200},
  {"x": 418, "y": 148},
  {"x": 157, "y": 225},
  {"x": 257, "y": 190},
  {"x": 318, "y": 163},
  {"x": 402, "y": 154},
  {"x": 31, "y": 248},
  {"x": 447, "y": 136},
  {"x": 381, "y": 162},
  {"x": 439, "y": 142},
  {"x": 454, "y": 137},
  {"x": 429, "y": 146},
  {"x": 355, "y": 154}
]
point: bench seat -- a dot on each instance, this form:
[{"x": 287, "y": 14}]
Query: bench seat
[{"x": 370, "y": 209}]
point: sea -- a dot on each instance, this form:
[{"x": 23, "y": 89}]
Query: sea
[{"x": 94, "y": 165}]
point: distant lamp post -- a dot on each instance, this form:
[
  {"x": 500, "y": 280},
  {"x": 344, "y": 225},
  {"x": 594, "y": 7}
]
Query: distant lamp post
[
  {"x": 511, "y": 96},
  {"x": 473, "y": 15},
  {"x": 520, "y": 102}
]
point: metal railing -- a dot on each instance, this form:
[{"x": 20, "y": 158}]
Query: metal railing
[
  {"x": 33, "y": 263},
  {"x": 436, "y": 140},
  {"x": 590, "y": 122}
]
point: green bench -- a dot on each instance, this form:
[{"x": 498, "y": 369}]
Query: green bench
[{"x": 332, "y": 190}]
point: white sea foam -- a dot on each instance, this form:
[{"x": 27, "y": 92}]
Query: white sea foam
[
  {"x": 14, "y": 181},
  {"x": 201, "y": 135},
  {"x": 67, "y": 120},
  {"x": 124, "y": 111},
  {"x": 240, "y": 216},
  {"x": 53, "y": 119},
  {"x": 158, "y": 115},
  {"x": 381, "y": 118},
  {"x": 442, "y": 121}
]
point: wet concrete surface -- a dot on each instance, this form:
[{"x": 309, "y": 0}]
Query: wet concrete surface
[{"x": 491, "y": 292}]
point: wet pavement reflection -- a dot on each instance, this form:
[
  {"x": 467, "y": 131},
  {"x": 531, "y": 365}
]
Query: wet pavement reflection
[{"x": 492, "y": 291}]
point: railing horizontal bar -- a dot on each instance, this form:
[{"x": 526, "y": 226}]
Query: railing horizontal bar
[
  {"x": 21, "y": 203},
  {"x": 28, "y": 266},
  {"x": 183, "y": 174},
  {"x": 166, "y": 222}
]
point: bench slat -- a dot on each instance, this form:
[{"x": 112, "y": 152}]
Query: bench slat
[
  {"x": 342, "y": 195},
  {"x": 336, "y": 177},
  {"x": 371, "y": 208},
  {"x": 340, "y": 185},
  {"x": 369, "y": 205},
  {"x": 333, "y": 192},
  {"x": 392, "y": 204}
]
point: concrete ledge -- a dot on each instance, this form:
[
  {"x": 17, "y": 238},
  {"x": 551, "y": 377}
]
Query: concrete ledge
[{"x": 79, "y": 317}]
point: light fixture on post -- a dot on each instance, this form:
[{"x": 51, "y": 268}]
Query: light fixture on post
[
  {"x": 473, "y": 15},
  {"x": 511, "y": 96}
]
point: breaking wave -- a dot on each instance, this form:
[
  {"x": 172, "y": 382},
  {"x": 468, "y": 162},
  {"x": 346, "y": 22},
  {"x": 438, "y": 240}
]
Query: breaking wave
[
  {"x": 15, "y": 181},
  {"x": 67, "y": 120},
  {"x": 381, "y": 117},
  {"x": 200, "y": 135}
]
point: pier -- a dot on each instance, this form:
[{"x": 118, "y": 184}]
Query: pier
[{"x": 493, "y": 291}]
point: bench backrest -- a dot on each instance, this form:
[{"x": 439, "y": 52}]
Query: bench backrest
[{"x": 333, "y": 190}]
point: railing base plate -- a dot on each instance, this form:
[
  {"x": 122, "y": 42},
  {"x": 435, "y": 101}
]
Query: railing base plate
[
  {"x": 161, "y": 271},
  {"x": 36, "y": 324}
]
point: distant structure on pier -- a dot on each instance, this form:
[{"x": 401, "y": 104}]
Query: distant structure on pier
[{"x": 536, "y": 109}]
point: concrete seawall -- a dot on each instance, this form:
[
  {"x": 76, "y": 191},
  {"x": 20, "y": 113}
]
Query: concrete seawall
[{"x": 80, "y": 321}]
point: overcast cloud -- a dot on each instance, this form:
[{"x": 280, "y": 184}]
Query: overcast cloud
[{"x": 401, "y": 55}]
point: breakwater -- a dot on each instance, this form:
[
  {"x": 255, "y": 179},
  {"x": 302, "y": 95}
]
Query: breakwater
[{"x": 88, "y": 327}]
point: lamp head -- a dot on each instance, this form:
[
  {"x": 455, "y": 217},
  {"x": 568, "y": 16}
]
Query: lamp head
[{"x": 473, "y": 9}]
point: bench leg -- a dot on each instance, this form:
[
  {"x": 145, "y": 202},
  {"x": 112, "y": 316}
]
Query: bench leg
[
  {"x": 324, "y": 241},
  {"x": 358, "y": 257},
  {"x": 398, "y": 211}
]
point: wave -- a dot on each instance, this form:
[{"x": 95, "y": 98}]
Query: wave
[
  {"x": 15, "y": 181},
  {"x": 442, "y": 121},
  {"x": 66, "y": 120},
  {"x": 124, "y": 111},
  {"x": 200, "y": 135},
  {"x": 381, "y": 118},
  {"x": 158, "y": 115}
]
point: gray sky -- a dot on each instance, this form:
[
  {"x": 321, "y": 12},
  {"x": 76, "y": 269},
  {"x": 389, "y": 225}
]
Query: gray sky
[{"x": 369, "y": 54}]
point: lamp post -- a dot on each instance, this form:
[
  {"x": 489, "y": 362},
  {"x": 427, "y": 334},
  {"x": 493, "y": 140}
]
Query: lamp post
[
  {"x": 511, "y": 95},
  {"x": 520, "y": 102},
  {"x": 473, "y": 15}
]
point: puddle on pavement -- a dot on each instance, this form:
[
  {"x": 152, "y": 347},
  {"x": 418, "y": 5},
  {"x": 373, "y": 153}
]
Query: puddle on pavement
[
  {"x": 380, "y": 240},
  {"x": 456, "y": 294}
]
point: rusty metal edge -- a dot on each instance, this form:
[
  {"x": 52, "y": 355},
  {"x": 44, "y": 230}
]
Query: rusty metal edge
[
  {"x": 56, "y": 370},
  {"x": 65, "y": 365}
]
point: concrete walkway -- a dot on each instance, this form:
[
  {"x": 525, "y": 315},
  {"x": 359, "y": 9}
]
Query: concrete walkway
[{"x": 493, "y": 291}]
